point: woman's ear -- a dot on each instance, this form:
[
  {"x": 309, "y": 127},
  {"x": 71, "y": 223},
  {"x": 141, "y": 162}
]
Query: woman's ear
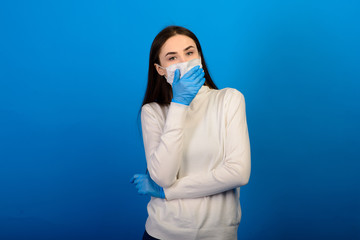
[{"x": 160, "y": 71}]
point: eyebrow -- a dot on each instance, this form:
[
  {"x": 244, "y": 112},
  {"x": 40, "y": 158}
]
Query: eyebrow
[{"x": 176, "y": 52}]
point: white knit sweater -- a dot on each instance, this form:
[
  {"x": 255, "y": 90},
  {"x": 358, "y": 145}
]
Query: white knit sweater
[{"x": 200, "y": 155}]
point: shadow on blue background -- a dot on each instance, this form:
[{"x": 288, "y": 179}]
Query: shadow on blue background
[{"x": 72, "y": 79}]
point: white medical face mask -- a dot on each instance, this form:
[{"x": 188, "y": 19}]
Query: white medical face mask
[{"x": 184, "y": 67}]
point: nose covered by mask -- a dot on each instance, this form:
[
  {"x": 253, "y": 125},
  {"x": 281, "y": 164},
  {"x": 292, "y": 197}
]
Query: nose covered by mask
[{"x": 184, "y": 67}]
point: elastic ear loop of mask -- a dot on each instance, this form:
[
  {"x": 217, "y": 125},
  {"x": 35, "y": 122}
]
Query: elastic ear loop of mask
[{"x": 162, "y": 68}]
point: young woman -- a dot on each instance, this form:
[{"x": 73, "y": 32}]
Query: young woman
[{"x": 196, "y": 145}]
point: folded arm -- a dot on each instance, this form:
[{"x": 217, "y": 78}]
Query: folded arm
[
  {"x": 234, "y": 170},
  {"x": 163, "y": 142}
]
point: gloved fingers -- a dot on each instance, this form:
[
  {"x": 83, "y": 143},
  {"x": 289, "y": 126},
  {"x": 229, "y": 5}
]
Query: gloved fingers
[
  {"x": 141, "y": 192},
  {"x": 133, "y": 178},
  {"x": 191, "y": 71},
  {"x": 203, "y": 80},
  {"x": 199, "y": 79},
  {"x": 176, "y": 76},
  {"x": 140, "y": 179},
  {"x": 140, "y": 185},
  {"x": 192, "y": 91},
  {"x": 137, "y": 186},
  {"x": 196, "y": 79},
  {"x": 137, "y": 176},
  {"x": 193, "y": 76}
]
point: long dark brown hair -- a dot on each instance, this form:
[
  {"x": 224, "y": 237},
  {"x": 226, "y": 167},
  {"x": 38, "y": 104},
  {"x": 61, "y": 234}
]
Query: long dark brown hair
[{"x": 158, "y": 90}]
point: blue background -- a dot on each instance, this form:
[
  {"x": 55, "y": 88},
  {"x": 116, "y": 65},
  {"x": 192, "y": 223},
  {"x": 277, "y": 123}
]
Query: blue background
[{"x": 72, "y": 79}]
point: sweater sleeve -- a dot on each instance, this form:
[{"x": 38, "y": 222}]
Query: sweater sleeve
[
  {"x": 163, "y": 143},
  {"x": 234, "y": 170}
]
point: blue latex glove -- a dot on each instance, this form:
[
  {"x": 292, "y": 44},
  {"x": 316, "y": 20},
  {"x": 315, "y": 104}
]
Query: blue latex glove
[
  {"x": 185, "y": 88},
  {"x": 145, "y": 185}
]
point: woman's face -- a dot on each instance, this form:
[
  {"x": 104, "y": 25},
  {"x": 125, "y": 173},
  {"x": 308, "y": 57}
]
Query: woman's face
[{"x": 178, "y": 48}]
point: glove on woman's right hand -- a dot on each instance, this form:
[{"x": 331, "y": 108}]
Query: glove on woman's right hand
[{"x": 185, "y": 88}]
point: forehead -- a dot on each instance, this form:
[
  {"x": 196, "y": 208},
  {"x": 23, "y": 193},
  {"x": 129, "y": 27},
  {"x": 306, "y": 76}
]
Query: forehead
[{"x": 176, "y": 43}]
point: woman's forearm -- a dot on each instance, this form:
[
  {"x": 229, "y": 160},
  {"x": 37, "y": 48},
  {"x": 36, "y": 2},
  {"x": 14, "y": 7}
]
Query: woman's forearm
[{"x": 164, "y": 144}]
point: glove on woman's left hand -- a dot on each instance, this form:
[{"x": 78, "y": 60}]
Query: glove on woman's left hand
[{"x": 146, "y": 185}]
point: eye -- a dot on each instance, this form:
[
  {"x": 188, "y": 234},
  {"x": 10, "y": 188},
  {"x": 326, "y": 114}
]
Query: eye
[
  {"x": 190, "y": 53},
  {"x": 172, "y": 58}
]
